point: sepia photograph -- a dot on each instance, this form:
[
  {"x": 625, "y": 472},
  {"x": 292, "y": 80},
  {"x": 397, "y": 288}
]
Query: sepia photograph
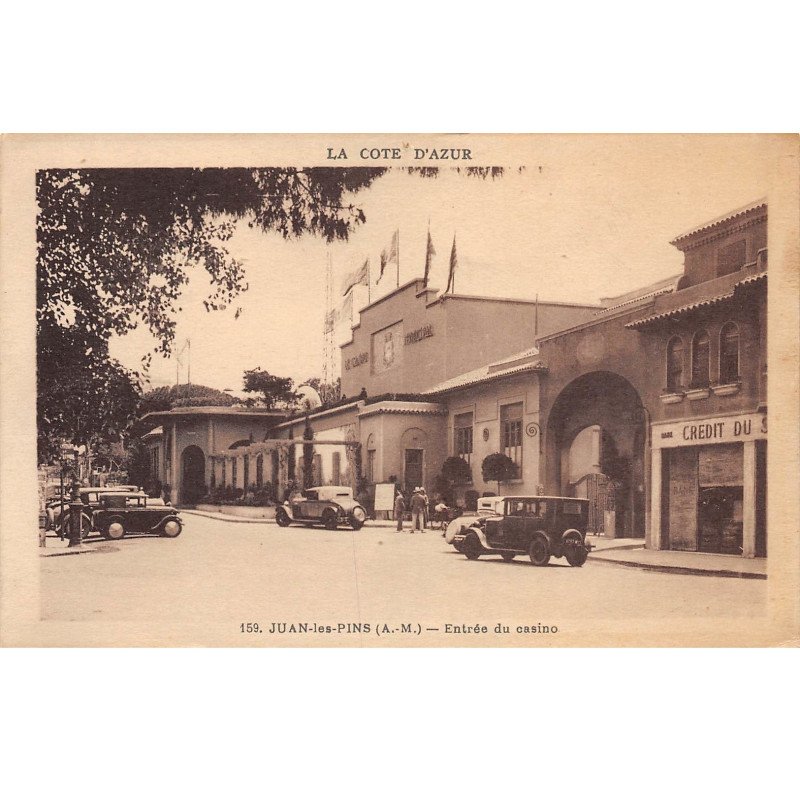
[{"x": 400, "y": 390}]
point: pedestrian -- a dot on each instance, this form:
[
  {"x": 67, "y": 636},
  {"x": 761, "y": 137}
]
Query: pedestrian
[
  {"x": 399, "y": 509},
  {"x": 418, "y": 510},
  {"x": 427, "y": 513}
]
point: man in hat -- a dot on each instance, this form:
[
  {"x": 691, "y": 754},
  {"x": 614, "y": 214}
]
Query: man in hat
[
  {"x": 399, "y": 508},
  {"x": 418, "y": 510}
]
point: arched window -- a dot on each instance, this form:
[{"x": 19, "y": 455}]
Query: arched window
[
  {"x": 675, "y": 363},
  {"x": 700, "y": 359},
  {"x": 729, "y": 353}
]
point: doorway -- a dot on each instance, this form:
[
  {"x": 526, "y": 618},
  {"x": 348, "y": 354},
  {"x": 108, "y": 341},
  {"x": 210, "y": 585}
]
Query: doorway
[
  {"x": 193, "y": 474},
  {"x": 413, "y": 469},
  {"x": 719, "y": 520}
]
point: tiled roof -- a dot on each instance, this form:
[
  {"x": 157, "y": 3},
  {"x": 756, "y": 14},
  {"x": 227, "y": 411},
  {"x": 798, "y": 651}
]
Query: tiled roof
[
  {"x": 731, "y": 215},
  {"x": 517, "y": 363},
  {"x": 703, "y": 294}
]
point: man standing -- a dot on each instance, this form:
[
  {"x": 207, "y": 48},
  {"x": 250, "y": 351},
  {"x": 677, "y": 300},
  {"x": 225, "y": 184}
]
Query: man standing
[
  {"x": 399, "y": 509},
  {"x": 418, "y": 510}
]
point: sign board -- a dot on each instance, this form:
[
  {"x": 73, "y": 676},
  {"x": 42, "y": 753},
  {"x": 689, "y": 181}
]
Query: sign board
[
  {"x": 384, "y": 497},
  {"x": 713, "y": 430}
]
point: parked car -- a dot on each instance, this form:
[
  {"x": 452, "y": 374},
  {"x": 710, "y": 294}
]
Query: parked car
[
  {"x": 539, "y": 527},
  {"x": 330, "y": 506},
  {"x": 456, "y": 530},
  {"x": 131, "y": 512},
  {"x": 89, "y": 496}
]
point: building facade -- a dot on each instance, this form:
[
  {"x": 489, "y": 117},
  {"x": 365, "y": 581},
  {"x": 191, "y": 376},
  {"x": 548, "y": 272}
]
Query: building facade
[{"x": 652, "y": 404}]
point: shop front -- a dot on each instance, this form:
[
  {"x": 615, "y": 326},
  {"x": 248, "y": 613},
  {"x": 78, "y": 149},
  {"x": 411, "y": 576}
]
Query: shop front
[{"x": 709, "y": 485}]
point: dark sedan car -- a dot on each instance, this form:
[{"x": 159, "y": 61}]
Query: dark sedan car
[
  {"x": 129, "y": 512},
  {"x": 539, "y": 527}
]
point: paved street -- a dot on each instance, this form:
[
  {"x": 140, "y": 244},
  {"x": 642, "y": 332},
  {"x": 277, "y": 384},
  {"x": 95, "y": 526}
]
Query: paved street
[{"x": 227, "y": 571}]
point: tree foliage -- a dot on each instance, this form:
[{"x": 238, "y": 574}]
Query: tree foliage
[
  {"x": 498, "y": 467},
  {"x": 328, "y": 392},
  {"x": 456, "y": 470},
  {"x": 115, "y": 248},
  {"x": 274, "y": 391}
]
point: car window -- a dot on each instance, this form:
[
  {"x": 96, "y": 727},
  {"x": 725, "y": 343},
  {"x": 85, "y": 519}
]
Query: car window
[
  {"x": 572, "y": 507},
  {"x": 311, "y": 495}
]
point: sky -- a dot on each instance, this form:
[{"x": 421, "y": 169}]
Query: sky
[{"x": 588, "y": 217}]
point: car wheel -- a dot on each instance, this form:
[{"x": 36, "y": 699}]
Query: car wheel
[
  {"x": 330, "y": 519},
  {"x": 171, "y": 528},
  {"x": 539, "y": 551},
  {"x": 508, "y": 556},
  {"x": 574, "y": 551},
  {"x": 357, "y": 518},
  {"x": 471, "y": 546},
  {"x": 116, "y": 529},
  {"x": 282, "y": 518}
]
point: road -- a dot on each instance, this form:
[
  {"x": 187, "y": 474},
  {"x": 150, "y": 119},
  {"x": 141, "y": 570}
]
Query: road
[{"x": 220, "y": 571}]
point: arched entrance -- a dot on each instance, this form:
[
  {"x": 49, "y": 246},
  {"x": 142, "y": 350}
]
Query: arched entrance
[
  {"x": 193, "y": 474},
  {"x": 596, "y": 434}
]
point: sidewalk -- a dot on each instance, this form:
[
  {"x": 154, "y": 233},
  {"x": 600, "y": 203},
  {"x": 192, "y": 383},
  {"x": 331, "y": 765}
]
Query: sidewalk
[
  {"x": 57, "y": 547},
  {"x": 631, "y": 553}
]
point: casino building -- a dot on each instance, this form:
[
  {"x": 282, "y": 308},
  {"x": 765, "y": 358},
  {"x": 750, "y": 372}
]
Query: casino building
[{"x": 652, "y": 404}]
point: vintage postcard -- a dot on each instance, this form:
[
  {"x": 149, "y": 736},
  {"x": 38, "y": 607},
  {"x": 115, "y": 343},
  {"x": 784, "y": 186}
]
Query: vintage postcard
[{"x": 404, "y": 390}]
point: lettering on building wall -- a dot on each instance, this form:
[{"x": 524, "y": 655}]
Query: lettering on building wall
[
  {"x": 425, "y": 332},
  {"x": 356, "y": 361},
  {"x": 713, "y": 431}
]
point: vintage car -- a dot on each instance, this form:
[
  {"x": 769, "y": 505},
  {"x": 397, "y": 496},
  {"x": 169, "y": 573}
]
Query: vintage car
[
  {"x": 89, "y": 496},
  {"x": 330, "y": 506},
  {"x": 133, "y": 512},
  {"x": 539, "y": 527},
  {"x": 456, "y": 530}
]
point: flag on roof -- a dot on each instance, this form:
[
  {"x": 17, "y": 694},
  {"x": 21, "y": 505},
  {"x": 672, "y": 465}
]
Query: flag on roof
[{"x": 359, "y": 276}]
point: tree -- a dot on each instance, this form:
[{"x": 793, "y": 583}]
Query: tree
[
  {"x": 274, "y": 391},
  {"x": 498, "y": 467},
  {"x": 308, "y": 454},
  {"x": 329, "y": 393},
  {"x": 115, "y": 248},
  {"x": 85, "y": 401},
  {"x": 456, "y": 470}
]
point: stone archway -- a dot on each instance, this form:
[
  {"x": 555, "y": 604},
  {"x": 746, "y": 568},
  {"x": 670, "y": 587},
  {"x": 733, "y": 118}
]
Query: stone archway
[
  {"x": 193, "y": 474},
  {"x": 608, "y": 406}
]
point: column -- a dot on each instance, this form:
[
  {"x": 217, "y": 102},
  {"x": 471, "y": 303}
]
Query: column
[
  {"x": 653, "y": 533},
  {"x": 749, "y": 500}
]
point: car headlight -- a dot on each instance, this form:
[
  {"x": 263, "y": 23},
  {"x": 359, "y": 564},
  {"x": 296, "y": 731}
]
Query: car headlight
[{"x": 359, "y": 514}]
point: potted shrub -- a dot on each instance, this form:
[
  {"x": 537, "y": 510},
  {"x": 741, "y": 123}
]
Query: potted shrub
[{"x": 498, "y": 467}]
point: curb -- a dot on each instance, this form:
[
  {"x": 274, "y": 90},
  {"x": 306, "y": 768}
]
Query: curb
[
  {"x": 80, "y": 551},
  {"x": 676, "y": 570},
  {"x": 224, "y": 518}
]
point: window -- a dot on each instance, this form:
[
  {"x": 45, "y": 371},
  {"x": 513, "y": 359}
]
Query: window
[
  {"x": 675, "y": 364},
  {"x": 337, "y": 469},
  {"x": 154, "y": 463},
  {"x": 700, "y": 359},
  {"x": 234, "y": 471},
  {"x": 224, "y": 472},
  {"x": 462, "y": 436},
  {"x": 731, "y": 258},
  {"x": 729, "y": 353},
  {"x": 246, "y": 481},
  {"x": 370, "y": 466},
  {"x": 511, "y": 433}
]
